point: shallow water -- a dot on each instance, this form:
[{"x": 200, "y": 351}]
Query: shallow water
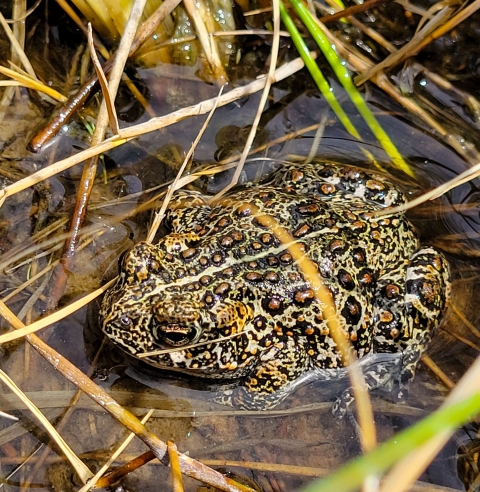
[{"x": 302, "y": 432}]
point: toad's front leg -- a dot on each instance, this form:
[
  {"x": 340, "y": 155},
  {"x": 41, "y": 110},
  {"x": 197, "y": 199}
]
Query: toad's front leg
[{"x": 281, "y": 368}]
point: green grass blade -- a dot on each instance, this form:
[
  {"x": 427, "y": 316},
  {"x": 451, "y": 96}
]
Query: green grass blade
[
  {"x": 315, "y": 72},
  {"x": 351, "y": 476},
  {"x": 345, "y": 79}
]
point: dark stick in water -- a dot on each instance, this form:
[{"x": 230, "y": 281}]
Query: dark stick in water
[{"x": 78, "y": 100}]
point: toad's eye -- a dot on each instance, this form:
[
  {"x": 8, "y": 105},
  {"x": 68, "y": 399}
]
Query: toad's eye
[
  {"x": 125, "y": 320},
  {"x": 174, "y": 335}
]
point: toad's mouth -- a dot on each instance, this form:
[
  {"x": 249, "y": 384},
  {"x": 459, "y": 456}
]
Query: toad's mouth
[{"x": 174, "y": 334}]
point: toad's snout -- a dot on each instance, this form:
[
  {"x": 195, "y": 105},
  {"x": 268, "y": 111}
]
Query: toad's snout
[{"x": 177, "y": 309}]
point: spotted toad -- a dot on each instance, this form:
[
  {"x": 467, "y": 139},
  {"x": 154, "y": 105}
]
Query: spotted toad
[{"x": 221, "y": 297}]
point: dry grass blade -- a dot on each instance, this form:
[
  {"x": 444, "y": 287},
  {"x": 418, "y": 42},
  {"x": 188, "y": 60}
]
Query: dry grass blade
[
  {"x": 407, "y": 49},
  {"x": 25, "y": 15},
  {"x": 148, "y": 27},
  {"x": 22, "y": 314},
  {"x": 154, "y": 124},
  {"x": 93, "y": 481},
  {"x": 438, "y": 372},
  {"x": 464, "y": 320},
  {"x": 349, "y": 11},
  {"x": 33, "y": 84},
  {"x": 263, "y": 99},
  {"x": 175, "y": 467},
  {"x": 248, "y": 32},
  {"x": 188, "y": 465},
  {"x": 316, "y": 139},
  {"x": 174, "y": 186},
  {"x": 8, "y": 416},
  {"x": 437, "y": 192},
  {"x": 18, "y": 49},
  {"x": 53, "y": 318},
  {"x": 306, "y": 471},
  {"x": 112, "y": 114},
  {"x": 83, "y": 472},
  {"x": 11, "y": 83}
]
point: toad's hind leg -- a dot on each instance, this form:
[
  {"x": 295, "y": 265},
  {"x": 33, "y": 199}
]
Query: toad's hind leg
[
  {"x": 409, "y": 303},
  {"x": 330, "y": 180}
]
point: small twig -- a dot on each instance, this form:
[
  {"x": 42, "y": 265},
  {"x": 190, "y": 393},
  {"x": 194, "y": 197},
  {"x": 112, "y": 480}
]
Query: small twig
[{"x": 112, "y": 114}]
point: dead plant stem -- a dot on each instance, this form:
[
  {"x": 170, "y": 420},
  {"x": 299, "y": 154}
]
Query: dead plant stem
[{"x": 90, "y": 167}]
